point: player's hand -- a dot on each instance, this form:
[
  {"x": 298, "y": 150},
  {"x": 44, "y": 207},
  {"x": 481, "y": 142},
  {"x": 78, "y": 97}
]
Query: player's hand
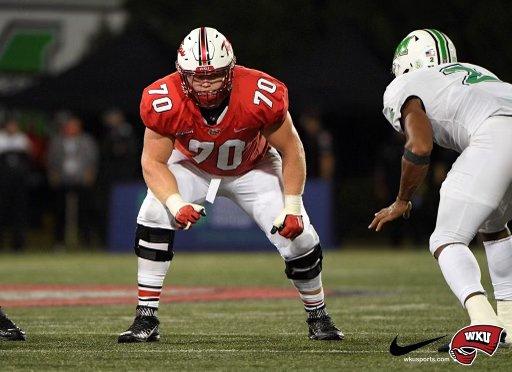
[
  {"x": 289, "y": 221},
  {"x": 400, "y": 208},
  {"x": 185, "y": 214}
]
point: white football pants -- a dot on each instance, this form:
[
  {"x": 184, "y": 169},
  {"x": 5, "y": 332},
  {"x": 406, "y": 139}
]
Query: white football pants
[
  {"x": 477, "y": 193},
  {"x": 258, "y": 192}
]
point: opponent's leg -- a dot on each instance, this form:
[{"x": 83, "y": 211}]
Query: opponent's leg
[
  {"x": 473, "y": 189},
  {"x": 259, "y": 193},
  {"x": 8, "y": 330},
  {"x": 497, "y": 241}
]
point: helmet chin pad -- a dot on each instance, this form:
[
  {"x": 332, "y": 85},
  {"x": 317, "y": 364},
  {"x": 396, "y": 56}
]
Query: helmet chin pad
[{"x": 210, "y": 99}]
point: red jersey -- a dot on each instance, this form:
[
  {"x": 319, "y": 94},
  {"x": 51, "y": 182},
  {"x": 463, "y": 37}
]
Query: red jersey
[{"x": 235, "y": 143}]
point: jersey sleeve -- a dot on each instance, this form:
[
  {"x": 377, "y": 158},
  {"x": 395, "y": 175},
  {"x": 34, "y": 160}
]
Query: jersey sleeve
[
  {"x": 158, "y": 110},
  {"x": 396, "y": 94},
  {"x": 271, "y": 100}
]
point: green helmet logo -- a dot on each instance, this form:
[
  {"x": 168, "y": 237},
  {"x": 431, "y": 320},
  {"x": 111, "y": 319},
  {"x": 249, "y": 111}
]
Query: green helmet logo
[{"x": 401, "y": 49}]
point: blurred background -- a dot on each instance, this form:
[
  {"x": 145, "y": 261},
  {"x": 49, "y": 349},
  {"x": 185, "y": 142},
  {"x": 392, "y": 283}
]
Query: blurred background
[{"x": 71, "y": 75}]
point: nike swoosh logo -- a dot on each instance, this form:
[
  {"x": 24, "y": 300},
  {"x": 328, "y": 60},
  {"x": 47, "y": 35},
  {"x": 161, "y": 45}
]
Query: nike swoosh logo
[
  {"x": 397, "y": 350},
  {"x": 240, "y": 129},
  {"x": 179, "y": 134}
]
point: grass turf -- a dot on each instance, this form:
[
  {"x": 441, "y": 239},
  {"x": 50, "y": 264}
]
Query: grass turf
[{"x": 384, "y": 293}]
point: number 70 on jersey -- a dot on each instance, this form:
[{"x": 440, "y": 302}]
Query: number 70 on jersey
[{"x": 165, "y": 104}]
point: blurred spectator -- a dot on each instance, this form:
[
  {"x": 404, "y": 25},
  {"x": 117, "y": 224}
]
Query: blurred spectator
[
  {"x": 317, "y": 142},
  {"x": 72, "y": 171},
  {"x": 14, "y": 182},
  {"x": 119, "y": 160},
  {"x": 119, "y": 150}
]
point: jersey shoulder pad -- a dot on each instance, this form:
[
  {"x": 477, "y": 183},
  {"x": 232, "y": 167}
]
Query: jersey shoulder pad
[
  {"x": 395, "y": 96},
  {"x": 160, "y": 105},
  {"x": 264, "y": 97}
]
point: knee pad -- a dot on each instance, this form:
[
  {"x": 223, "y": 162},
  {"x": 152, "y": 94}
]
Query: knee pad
[
  {"x": 307, "y": 266},
  {"x": 153, "y": 243},
  {"x": 442, "y": 237}
]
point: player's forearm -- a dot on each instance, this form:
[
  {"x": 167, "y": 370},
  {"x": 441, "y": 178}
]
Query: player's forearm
[
  {"x": 412, "y": 177},
  {"x": 159, "y": 179},
  {"x": 294, "y": 170},
  {"x": 416, "y": 158}
]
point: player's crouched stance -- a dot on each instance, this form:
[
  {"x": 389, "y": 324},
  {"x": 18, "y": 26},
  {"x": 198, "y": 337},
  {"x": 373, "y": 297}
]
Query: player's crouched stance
[
  {"x": 8, "y": 330},
  {"x": 466, "y": 108},
  {"x": 213, "y": 128}
]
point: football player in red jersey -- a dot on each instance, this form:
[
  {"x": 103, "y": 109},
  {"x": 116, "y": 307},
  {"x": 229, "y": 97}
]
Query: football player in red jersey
[{"x": 214, "y": 127}]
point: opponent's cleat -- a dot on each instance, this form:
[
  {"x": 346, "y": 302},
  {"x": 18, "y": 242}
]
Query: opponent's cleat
[
  {"x": 323, "y": 328},
  {"x": 446, "y": 347},
  {"x": 144, "y": 327},
  {"x": 8, "y": 330}
]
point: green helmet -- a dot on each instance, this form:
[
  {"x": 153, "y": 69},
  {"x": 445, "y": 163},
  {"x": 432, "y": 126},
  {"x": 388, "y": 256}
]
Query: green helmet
[{"x": 421, "y": 49}]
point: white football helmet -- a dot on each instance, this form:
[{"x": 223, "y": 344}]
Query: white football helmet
[
  {"x": 421, "y": 49},
  {"x": 206, "y": 52}
]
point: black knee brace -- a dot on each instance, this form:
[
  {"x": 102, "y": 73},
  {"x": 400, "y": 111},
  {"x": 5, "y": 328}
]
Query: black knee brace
[
  {"x": 307, "y": 266},
  {"x": 154, "y": 244}
]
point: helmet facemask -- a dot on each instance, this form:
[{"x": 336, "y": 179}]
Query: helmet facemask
[{"x": 207, "y": 98}]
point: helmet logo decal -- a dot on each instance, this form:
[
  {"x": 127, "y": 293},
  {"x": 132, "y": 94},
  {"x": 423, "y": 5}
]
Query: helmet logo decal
[
  {"x": 226, "y": 45},
  {"x": 401, "y": 49},
  {"x": 181, "y": 50}
]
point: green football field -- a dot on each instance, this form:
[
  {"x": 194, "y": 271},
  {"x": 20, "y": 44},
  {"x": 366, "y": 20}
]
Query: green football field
[{"x": 375, "y": 295}]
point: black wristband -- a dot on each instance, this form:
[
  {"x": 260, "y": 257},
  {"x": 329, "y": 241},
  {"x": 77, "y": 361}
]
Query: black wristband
[{"x": 416, "y": 159}]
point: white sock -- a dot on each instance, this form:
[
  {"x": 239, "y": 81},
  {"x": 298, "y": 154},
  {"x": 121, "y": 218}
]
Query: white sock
[
  {"x": 311, "y": 301},
  {"x": 460, "y": 270},
  {"x": 151, "y": 275},
  {"x": 505, "y": 315},
  {"x": 480, "y": 311},
  {"x": 499, "y": 259}
]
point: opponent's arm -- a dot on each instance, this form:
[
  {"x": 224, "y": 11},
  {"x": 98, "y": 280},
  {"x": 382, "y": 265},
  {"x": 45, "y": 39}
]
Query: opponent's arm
[
  {"x": 415, "y": 161},
  {"x": 160, "y": 180},
  {"x": 285, "y": 139}
]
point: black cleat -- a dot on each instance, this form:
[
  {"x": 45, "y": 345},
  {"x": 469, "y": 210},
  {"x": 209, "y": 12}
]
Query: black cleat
[
  {"x": 8, "y": 330},
  {"x": 323, "y": 328},
  {"x": 144, "y": 327},
  {"x": 446, "y": 347}
]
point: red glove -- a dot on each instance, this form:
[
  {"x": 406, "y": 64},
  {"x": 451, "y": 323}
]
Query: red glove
[
  {"x": 289, "y": 221},
  {"x": 185, "y": 214}
]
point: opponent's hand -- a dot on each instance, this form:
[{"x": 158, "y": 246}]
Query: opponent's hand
[
  {"x": 400, "y": 208},
  {"x": 289, "y": 221},
  {"x": 185, "y": 214}
]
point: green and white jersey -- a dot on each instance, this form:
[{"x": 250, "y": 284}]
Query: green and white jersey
[{"x": 458, "y": 97}]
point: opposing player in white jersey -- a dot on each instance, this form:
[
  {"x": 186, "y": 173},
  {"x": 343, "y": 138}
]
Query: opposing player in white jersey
[{"x": 466, "y": 108}]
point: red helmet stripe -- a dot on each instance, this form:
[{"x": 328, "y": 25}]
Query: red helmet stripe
[{"x": 203, "y": 46}]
